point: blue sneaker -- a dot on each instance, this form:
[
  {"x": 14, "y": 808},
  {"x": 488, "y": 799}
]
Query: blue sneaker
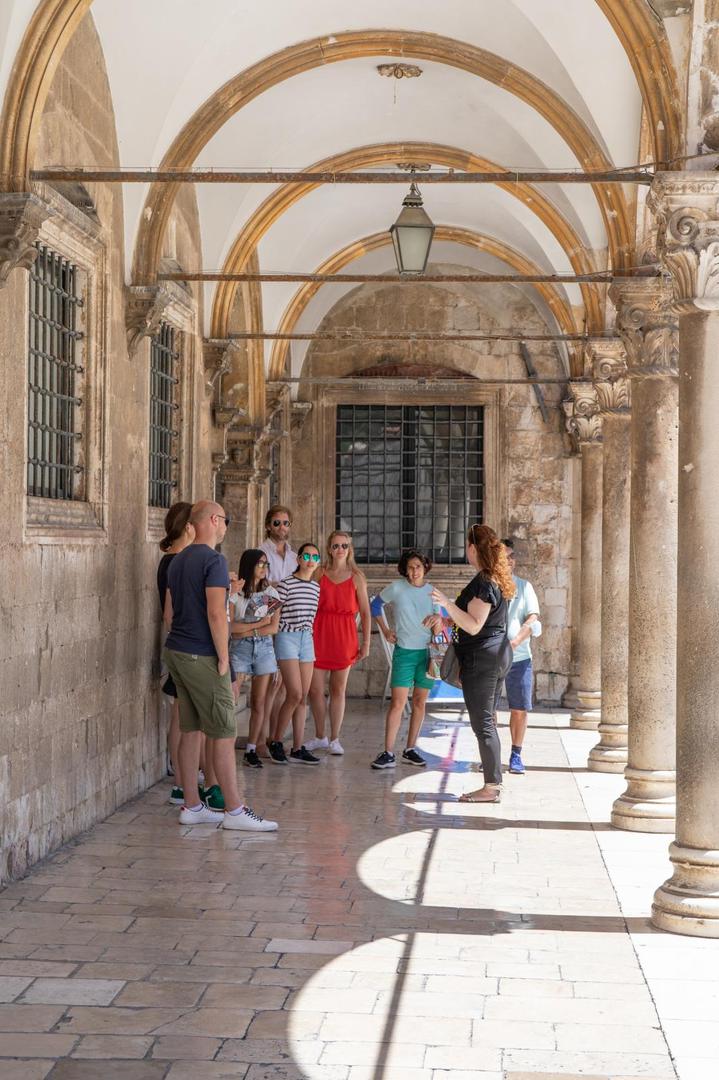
[{"x": 516, "y": 764}]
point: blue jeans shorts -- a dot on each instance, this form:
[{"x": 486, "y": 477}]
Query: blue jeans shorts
[
  {"x": 518, "y": 684},
  {"x": 295, "y": 645},
  {"x": 253, "y": 656}
]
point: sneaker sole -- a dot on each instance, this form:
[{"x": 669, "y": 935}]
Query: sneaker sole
[
  {"x": 245, "y": 828},
  {"x": 275, "y": 762},
  {"x": 176, "y": 802},
  {"x": 299, "y": 761},
  {"x": 517, "y": 772},
  {"x": 379, "y": 768},
  {"x": 249, "y": 765},
  {"x": 415, "y": 764}
]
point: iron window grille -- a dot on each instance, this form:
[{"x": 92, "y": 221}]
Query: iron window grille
[
  {"x": 409, "y": 476},
  {"x": 164, "y": 406},
  {"x": 55, "y": 378}
]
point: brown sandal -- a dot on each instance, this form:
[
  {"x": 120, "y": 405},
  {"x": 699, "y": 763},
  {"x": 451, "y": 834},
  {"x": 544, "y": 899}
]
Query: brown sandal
[{"x": 471, "y": 796}]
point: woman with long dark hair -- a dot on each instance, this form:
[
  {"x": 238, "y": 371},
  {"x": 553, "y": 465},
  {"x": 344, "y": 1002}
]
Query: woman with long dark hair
[
  {"x": 255, "y": 618},
  {"x": 483, "y": 649}
]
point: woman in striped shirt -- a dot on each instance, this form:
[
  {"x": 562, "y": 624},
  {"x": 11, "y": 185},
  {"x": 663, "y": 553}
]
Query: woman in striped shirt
[{"x": 295, "y": 653}]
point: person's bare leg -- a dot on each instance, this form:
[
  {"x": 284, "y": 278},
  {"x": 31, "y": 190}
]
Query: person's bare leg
[
  {"x": 517, "y": 726},
  {"x": 299, "y": 717},
  {"x": 208, "y": 764},
  {"x": 338, "y": 688},
  {"x": 173, "y": 742},
  {"x": 394, "y": 716},
  {"x": 317, "y": 702},
  {"x": 273, "y": 704},
  {"x": 257, "y": 707},
  {"x": 419, "y": 703},
  {"x": 293, "y": 696},
  {"x": 223, "y": 754},
  {"x": 190, "y": 745}
]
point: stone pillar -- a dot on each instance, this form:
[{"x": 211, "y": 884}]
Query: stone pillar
[
  {"x": 585, "y": 425},
  {"x": 649, "y": 331},
  {"x": 612, "y": 387},
  {"x": 685, "y": 205}
]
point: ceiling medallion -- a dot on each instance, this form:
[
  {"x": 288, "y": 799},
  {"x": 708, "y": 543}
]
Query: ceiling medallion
[{"x": 399, "y": 71}]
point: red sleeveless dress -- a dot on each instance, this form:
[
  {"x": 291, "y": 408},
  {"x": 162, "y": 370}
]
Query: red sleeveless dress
[{"x": 335, "y": 627}]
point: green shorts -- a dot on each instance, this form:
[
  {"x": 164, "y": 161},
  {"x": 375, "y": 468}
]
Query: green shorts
[
  {"x": 206, "y": 701},
  {"x": 409, "y": 668}
]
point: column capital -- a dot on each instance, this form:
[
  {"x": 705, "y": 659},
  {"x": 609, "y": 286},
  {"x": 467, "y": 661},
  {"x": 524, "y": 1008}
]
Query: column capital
[
  {"x": 647, "y": 324},
  {"x": 608, "y": 361},
  {"x": 299, "y": 411},
  {"x": 686, "y": 209},
  {"x": 583, "y": 420},
  {"x": 144, "y": 310},
  {"x": 225, "y": 416},
  {"x": 218, "y": 355},
  {"x": 22, "y": 215}
]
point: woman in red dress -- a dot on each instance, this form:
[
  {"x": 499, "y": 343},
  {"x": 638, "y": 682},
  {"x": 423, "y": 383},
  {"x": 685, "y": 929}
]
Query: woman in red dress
[{"x": 343, "y": 595}]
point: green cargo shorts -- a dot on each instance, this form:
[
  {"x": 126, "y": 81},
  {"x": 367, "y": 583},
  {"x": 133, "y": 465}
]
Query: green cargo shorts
[{"x": 205, "y": 697}]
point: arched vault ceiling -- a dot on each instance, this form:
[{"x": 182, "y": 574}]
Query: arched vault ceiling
[
  {"x": 553, "y": 304},
  {"x": 275, "y": 69},
  {"x": 535, "y": 223}
]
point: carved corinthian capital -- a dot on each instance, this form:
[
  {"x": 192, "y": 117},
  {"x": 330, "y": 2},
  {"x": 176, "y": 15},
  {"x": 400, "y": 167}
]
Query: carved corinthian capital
[
  {"x": 686, "y": 208},
  {"x": 609, "y": 369},
  {"x": 144, "y": 310},
  {"x": 582, "y": 416},
  {"x": 21, "y": 218},
  {"x": 647, "y": 324}
]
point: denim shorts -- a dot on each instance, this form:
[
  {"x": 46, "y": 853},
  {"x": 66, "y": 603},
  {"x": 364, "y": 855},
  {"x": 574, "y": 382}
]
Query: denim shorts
[
  {"x": 518, "y": 684},
  {"x": 253, "y": 655},
  {"x": 295, "y": 645}
]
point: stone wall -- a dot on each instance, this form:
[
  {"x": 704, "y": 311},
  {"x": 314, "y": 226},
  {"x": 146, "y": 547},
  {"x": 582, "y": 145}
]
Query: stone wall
[
  {"x": 82, "y": 727},
  {"x": 528, "y": 477}
]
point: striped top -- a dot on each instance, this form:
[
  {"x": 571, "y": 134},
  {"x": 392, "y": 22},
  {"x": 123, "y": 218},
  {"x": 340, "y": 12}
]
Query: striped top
[{"x": 299, "y": 603}]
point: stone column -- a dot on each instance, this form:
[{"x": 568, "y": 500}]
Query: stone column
[
  {"x": 612, "y": 387},
  {"x": 649, "y": 331},
  {"x": 585, "y": 425},
  {"x": 685, "y": 205}
]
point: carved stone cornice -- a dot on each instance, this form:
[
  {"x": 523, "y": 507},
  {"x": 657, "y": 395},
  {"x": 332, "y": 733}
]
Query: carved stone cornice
[
  {"x": 583, "y": 420},
  {"x": 22, "y": 215},
  {"x": 299, "y": 411},
  {"x": 144, "y": 311},
  {"x": 218, "y": 355},
  {"x": 609, "y": 370},
  {"x": 647, "y": 324},
  {"x": 224, "y": 416},
  {"x": 685, "y": 206}
]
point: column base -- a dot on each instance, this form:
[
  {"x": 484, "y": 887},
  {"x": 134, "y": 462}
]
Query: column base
[
  {"x": 649, "y": 803},
  {"x": 610, "y": 753},
  {"x": 688, "y": 903},
  {"x": 588, "y": 715},
  {"x": 570, "y": 697}
]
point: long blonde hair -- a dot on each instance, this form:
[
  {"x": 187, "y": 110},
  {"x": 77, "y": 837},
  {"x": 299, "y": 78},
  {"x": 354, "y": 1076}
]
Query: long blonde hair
[{"x": 328, "y": 562}]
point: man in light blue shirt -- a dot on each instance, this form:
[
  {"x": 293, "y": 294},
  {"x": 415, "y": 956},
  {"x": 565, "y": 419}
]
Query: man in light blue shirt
[{"x": 522, "y": 625}]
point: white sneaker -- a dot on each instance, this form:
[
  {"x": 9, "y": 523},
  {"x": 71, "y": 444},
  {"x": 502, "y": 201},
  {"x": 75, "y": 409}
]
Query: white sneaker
[
  {"x": 318, "y": 744},
  {"x": 248, "y": 821},
  {"x": 336, "y": 747},
  {"x": 201, "y": 816}
]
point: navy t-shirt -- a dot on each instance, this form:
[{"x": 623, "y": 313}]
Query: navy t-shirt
[{"x": 193, "y": 570}]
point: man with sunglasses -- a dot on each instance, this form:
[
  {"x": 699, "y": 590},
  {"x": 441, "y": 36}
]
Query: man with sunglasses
[{"x": 276, "y": 545}]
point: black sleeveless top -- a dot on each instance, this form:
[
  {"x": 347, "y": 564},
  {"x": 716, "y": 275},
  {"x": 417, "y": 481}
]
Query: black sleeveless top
[{"x": 483, "y": 588}]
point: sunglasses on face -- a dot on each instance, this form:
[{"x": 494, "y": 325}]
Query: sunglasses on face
[
  {"x": 277, "y": 522},
  {"x": 262, "y": 563},
  {"x": 306, "y": 557},
  {"x": 343, "y": 547},
  {"x": 227, "y": 521}
]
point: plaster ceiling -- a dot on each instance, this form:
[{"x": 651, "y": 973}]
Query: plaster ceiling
[{"x": 165, "y": 58}]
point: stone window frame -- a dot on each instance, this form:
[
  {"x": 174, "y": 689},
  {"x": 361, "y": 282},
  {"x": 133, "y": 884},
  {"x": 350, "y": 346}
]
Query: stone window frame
[
  {"x": 78, "y": 237},
  {"x": 490, "y": 397},
  {"x": 181, "y": 314}
]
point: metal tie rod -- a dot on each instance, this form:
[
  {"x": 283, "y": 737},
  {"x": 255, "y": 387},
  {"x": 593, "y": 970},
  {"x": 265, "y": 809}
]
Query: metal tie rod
[
  {"x": 289, "y": 176},
  {"x": 338, "y": 335},
  {"x": 269, "y": 278}
]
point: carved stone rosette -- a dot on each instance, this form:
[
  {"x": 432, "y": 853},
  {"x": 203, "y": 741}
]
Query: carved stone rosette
[
  {"x": 609, "y": 369},
  {"x": 685, "y": 209},
  {"x": 22, "y": 215},
  {"x": 146, "y": 305},
  {"x": 583, "y": 419},
  {"x": 648, "y": 327}
]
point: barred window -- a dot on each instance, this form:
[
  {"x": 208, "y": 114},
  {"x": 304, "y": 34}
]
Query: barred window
[
  {"x": 164, "y": 405},
  {"x": 55, "y": 379},
  {"x": 409, "y": 476}
]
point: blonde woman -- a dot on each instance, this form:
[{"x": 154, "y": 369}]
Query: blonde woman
[{"x": 343, "y": 595}]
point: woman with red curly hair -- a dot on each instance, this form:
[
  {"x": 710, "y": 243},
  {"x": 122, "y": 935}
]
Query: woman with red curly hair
[{"x": 483, "y": 648}]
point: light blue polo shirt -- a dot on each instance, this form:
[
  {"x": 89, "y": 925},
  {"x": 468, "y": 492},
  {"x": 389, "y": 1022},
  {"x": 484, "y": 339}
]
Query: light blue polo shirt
[
  {"x": 523, "y": 604},
  {"x": 410, "y": 605}
]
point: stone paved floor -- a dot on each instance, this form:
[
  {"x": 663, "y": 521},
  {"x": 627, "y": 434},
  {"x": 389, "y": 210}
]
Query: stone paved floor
[{"x": 385, "y": 933}]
